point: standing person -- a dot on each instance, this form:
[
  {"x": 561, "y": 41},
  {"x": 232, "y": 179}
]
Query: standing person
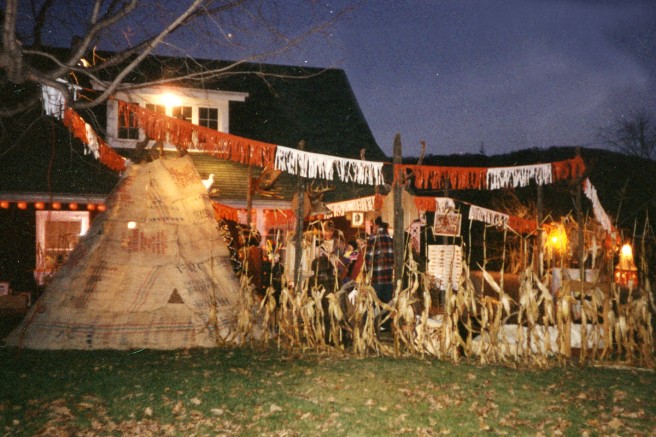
[{"x": 379, "y": 260}]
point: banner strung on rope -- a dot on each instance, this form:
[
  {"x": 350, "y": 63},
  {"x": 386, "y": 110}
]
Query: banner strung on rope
[{"x": 189, "y": 136}]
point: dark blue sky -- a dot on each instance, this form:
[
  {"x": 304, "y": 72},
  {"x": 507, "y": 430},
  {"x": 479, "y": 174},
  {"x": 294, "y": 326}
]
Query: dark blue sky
[
  {"x": 505, "y": 74},
  {"x": 508, "y": 74}
]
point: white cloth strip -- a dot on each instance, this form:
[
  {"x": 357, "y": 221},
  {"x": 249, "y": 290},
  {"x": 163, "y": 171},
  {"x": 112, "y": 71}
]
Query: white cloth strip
[
  {"x": 520, "y": 176},
  {"x": 92, "y": 142},
  {"x": 362, "y": 204},
  {"x": 53, "y": 101},
  {"x": 487, "y": 216},
  {"x": 316, "y": 165},
  {"x": 598, "y": 210}
]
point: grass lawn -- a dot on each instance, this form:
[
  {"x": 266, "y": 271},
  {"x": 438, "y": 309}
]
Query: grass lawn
[{"x": 258, "y": 392}]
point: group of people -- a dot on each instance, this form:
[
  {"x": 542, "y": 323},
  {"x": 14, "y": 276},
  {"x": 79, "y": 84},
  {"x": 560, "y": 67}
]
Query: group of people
[
  {"x": 338, "y": 263},
  {"x": 335, "y": 261}
]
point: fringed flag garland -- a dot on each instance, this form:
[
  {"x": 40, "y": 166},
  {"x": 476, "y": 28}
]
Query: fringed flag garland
[
  {"x": 433, "y": 177},
  {"x": 316, "y": 165},
  {"x": 363, "y": 204},
  {"x": 598, "y": 210},
  {"x": 278, "y": 218},
  {"x": 85, "y": 133},
  {"x": 518, "y": 176},
  {"x": 199, "y": 138},
  {"x": 225, "y": 212},
  {"x": 488, "y": 216}
]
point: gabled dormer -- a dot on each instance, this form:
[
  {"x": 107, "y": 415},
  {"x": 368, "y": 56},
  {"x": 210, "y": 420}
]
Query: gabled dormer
[{"x": 209, "y": 108}]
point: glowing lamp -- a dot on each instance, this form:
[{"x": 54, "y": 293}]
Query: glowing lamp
[
  {"x": 132, "y": 225},
  {"x": 102, "y": 207},
  {"x": 4, "y": 204},
  {"x": 91, "y": 206},
  {"x": 72, "y": 206},
  {"x": 22, "y": 205},
  {"x": 170, "y": 100},
  {"x": 56, "y": 205},
  {"x": 626, "y": 272},
  {"x": 39, "y": 205}
]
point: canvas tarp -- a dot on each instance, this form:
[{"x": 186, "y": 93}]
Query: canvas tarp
[{"x": 152, "y": 272}]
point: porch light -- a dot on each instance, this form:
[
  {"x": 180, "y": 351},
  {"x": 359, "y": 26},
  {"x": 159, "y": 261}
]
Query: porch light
[
  {"x": 626, "y": 272},
  {"x": 170, "y": 100}
]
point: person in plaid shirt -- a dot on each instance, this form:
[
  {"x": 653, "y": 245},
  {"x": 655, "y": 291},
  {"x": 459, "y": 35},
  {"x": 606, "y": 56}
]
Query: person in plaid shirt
[{"x": 379, "y": 260}]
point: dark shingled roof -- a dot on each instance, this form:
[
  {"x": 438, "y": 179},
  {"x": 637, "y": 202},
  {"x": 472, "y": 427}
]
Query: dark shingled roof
[{"x": 284, "y": 105}]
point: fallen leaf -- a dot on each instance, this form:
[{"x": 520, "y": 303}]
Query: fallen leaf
[
  {"x": 274, "y": 408},
  {"x": 148, "y": 411},
  {"x": 195, "y": 401},
  {"x": 616, "y": 423},
  {"x": 217, "y": 411}
]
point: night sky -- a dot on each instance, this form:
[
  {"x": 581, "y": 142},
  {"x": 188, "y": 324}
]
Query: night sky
[{"x": 464, "y": 75}]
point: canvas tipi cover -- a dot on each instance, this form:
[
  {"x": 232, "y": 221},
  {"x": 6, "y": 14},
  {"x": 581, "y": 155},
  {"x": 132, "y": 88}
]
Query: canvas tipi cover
[{"x": 152, "y": 272}]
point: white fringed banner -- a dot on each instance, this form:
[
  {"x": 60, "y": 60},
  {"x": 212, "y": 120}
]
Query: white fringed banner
[
  {"x": 599, "y": 212},
  {"x": 315, "y": 165},
  {"x": 362, "y": 204},
  {"x": 519, "y": 176},
  {"x": 487, "y": 216}
]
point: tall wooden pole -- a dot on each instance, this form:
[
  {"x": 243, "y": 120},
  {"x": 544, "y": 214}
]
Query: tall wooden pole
[
  {"x": 298, "y": 236},
  {"x": 399, "y": 237},
  {"x": 539, "y": 258}
]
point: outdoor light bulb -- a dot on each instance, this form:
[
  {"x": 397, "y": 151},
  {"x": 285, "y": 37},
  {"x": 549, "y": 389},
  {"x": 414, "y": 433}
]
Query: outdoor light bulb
[
  {"x": 627, "y": 252},
  {"x": 132, "y": 225},
  {"x": 170, "y": 100}
]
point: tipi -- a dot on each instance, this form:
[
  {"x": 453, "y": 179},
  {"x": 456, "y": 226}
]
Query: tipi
[{"x": 152, "y": 272}]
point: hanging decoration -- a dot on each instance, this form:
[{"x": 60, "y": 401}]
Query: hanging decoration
[
  {"x": 518, "y": 176},
  {"x": 225, "y": 212},
  {"x": 54, "y": 101},
  {"x": 192, "y": 137},
  {"x": 435, "y": 178},
  {"x": 600, "y": 214},
  {"x": 316, "y": 165},
  {"x": 85, "y": 133},
  {"x": 362, "y": 204},
  {"x": 488, "y": 216},
  {"x": 279, "y": 218}
]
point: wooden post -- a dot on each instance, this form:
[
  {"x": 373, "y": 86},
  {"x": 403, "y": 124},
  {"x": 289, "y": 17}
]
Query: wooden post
[
  {"x": 540, "y": 237},
  {"x": 249, "y": 196},
  {"x": 298, "y": 236},
  {"x": 399, "y": 237}
]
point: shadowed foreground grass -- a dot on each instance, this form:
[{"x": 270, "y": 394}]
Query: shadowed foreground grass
[{"x": 253, "y": 392}]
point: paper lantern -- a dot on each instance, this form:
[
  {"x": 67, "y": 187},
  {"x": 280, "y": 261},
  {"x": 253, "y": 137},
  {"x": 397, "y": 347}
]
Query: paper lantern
[
  {"x": 72, "y": 206},
  {"x": 4, "y": 204},
  {"x": 39, "y": 205},
  {"x": 626, "y": 272},
  {"x": 91, "y": 206},
  {"x": 22, "y": 205},
  {"x": 101, "y": 207},
  {"x": 56, "y": 205}
]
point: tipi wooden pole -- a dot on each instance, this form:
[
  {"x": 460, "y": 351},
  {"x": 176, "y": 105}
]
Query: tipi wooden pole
[
  {"x": 298, "y": 236},
  {"x": 399, "y": 236}
]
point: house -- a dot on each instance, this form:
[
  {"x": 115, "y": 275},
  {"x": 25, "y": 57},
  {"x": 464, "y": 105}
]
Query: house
[{"x": 51, "y": 187}]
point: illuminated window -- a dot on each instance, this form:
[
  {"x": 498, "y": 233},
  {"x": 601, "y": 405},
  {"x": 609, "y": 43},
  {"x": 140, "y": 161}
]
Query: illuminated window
[
  {"x": 208, "y": 117},
  {"x": 182, "y": 112},
  {"x": 57, "y": 234},
  {"x": 160, "y": 109},
  {"x": 127, "y": 127}
]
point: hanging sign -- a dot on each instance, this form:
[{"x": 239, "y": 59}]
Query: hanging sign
[{"x": 447, "y": 223}]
